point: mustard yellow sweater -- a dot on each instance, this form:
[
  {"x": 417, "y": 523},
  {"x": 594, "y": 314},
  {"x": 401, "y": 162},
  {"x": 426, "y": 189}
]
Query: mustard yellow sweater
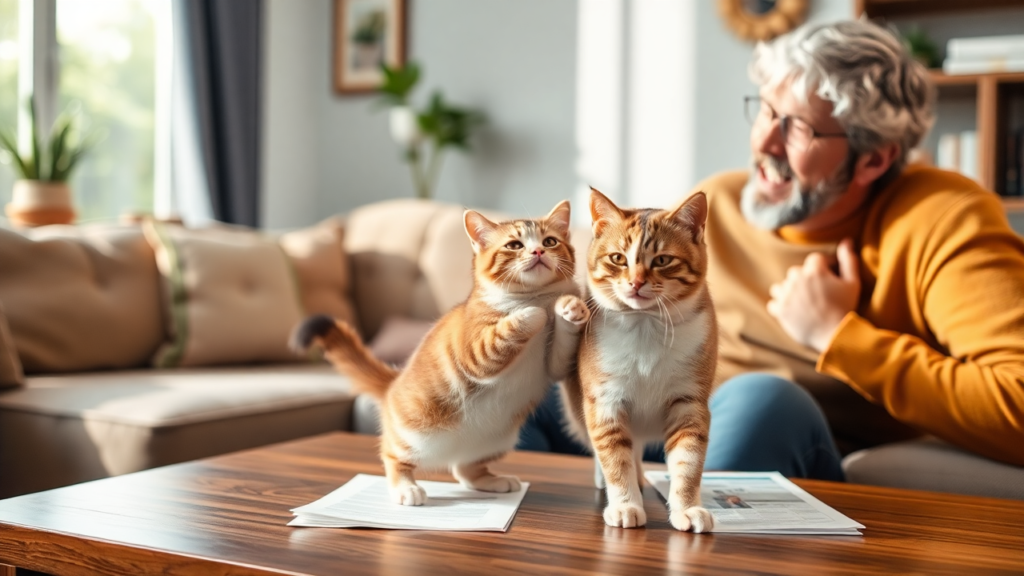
[{"x": 937, "y": 342}]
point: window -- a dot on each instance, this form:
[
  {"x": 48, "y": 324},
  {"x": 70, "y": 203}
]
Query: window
[
  {"x": 107, "y": 57},
  {"x": 108, "y": 67},
  {"x": 9, "y": 51}
]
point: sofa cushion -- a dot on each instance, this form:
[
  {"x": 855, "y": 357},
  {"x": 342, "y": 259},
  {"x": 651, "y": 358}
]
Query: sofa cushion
[
  {"x": 930, "y": 464},
  {"x": 10, "y": 366},
  {"x": 80, "y": 298},
  {"x": 59, "y": 430},
  {"x": 322, "y": 268},
  {"x": 231, "y": 296}
]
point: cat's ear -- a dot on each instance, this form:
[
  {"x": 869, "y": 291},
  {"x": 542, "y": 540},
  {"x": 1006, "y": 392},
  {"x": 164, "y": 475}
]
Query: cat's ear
[
  {"x": 558, "y": 218},
  {"x": 603, "y": 211},
  {"x": 693, "y": 214},
  {"x": 478, "y": 228}
]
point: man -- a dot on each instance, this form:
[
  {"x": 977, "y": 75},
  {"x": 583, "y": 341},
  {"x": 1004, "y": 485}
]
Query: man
[{"x": 894, "y": 294}]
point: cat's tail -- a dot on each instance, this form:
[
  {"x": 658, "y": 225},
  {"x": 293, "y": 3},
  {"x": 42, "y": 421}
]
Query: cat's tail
[{"x": 345, "y": 350}]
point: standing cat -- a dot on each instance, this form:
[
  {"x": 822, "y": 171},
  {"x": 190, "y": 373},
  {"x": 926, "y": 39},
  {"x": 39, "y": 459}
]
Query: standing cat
[
  {"x": 647, "y": 358},
  {"x": 477, "y": 375}
]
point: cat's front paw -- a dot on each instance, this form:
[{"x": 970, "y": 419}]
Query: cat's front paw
[
  {"x": 572, "y": 309},
  {"x": 694, "y": 519},
  {"x": 625, "y": 515},
  {"x": 532, "y": 319},
  {"x": 409, "y": 495},
  {"x": 495, "y": 483}
]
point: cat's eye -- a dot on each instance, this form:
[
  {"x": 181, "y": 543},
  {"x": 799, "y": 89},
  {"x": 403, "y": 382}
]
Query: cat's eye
[
  {"x": 550, "y": 242},
  {"x": 661, "y": 260},
  {"x": 617, "y": 259},
  {"x": 514, "y": 245}
]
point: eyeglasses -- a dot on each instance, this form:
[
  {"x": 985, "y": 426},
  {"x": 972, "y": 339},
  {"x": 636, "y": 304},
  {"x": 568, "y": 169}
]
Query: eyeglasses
[{"x": 795, "y": 132}]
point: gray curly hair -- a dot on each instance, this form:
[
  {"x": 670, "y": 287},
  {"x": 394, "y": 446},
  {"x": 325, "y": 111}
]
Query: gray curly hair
[{"x": 879, "y": 93}]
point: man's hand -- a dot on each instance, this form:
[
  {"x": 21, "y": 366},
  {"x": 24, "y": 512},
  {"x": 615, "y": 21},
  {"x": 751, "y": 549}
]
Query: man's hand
[{"x": 812, "y": 301}]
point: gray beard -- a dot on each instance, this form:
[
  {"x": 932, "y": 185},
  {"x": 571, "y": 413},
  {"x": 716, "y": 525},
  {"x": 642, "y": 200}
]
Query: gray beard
[{"x": 802, "y": 203}]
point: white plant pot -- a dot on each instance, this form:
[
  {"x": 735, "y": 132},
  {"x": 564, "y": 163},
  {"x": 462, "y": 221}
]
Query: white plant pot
[
  {"x": 35, "y": 203},
  {"x": 405, "y": 126}
]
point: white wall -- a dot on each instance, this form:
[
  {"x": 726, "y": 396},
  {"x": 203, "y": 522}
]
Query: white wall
[
  {"x": 515, "y": 59},
  {"x": 295, "y": 38}
]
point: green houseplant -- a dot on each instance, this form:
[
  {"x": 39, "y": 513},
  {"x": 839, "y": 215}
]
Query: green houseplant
[
  {"x": 922, "y": 47},
  {"x": 41, "y": 194},
  {"x": 367, "y": 38},
  {"x": 424, "y": 135}
]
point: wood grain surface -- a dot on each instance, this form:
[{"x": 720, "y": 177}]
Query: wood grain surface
[{"x": 227, "y": 515}]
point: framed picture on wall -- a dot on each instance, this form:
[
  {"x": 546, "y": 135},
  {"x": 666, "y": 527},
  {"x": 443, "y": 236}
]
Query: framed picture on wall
[{"x": 367, "y": 33}]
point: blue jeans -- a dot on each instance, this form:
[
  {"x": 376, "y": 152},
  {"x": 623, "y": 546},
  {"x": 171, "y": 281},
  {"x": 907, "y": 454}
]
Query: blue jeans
[{"x": 759, "y": 422}]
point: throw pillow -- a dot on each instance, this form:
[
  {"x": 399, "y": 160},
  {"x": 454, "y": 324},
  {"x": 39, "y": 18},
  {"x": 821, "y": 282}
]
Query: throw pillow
[
  {"x": 80, "y": 297},
  {"x": 230, "y": 296},
  {"x": 321, "y": 266},
  {"x": 10, "y": 366}
]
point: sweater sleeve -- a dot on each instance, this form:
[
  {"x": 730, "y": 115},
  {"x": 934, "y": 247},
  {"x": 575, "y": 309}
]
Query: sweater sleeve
[{"x": 970, "y": 281}]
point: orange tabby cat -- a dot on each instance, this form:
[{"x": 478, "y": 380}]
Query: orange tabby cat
[
  {"x": 477, "y": 375},
  {"x": 647, "y": 358}
]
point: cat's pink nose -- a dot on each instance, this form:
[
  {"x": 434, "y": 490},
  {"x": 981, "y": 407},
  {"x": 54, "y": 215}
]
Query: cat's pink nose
[
  {"x": 538, "y": 252},
  {"x": 637, "y": 285}
]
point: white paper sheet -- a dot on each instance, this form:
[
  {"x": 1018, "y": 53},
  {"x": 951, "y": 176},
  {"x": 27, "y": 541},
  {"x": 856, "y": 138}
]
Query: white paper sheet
[
  {"x": 762, "y": 503},
  {"x": 364, "y": 502}
]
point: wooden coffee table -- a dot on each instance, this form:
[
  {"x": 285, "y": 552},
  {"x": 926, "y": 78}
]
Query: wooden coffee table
[{"x": 227, "y": 515}]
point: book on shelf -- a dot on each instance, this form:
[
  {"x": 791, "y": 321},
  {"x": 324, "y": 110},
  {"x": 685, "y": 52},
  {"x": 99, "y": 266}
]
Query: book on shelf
[
  {"x": 948, "y": 154},
  {"x": 969, "y": 154},
  {"x": 958, "y": 151},
  {"x": 1014, "y": 173},
  {"x": 987, "y": 65},
  {"x": 985, "y": 47}
]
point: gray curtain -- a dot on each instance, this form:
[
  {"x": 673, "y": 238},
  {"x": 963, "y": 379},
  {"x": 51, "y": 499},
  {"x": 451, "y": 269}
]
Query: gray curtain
[{"x": 224, "y": 45}]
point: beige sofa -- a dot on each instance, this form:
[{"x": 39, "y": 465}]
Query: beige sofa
[{"x": 89, "y": 310}]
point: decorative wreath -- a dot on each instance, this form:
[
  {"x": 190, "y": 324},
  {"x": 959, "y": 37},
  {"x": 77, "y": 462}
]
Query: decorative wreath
[{"x": 783, "y": 17}]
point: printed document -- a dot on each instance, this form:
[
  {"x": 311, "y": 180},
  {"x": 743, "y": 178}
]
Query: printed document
[
  {"x": 762, "y": 503},
  {"x": 364, "y": 502}
]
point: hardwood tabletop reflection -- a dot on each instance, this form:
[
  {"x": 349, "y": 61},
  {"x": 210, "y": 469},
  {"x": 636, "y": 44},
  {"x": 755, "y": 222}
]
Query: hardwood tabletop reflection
[{"x": 227, "y": 515}]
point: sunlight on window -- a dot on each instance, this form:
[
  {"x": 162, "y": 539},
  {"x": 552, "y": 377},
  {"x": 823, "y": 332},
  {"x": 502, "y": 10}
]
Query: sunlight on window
[
  {"x": 8, "y": 86},
  {"x": 107, "y": 66}
]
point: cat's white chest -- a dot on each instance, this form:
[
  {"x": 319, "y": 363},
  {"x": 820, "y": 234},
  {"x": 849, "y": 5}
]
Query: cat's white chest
[
  {"x": 646, "y": 365},
  {"x": 643, "y": 347}
]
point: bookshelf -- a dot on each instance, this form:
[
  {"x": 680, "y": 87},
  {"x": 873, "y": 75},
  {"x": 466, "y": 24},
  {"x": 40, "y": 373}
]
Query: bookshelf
[
  {"x": 994, "y": 96},
  {"x": 992, "y": 93}
]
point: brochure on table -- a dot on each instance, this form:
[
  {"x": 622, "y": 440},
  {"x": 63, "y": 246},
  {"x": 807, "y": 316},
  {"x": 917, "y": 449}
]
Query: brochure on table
[
  {"x": 364, "y": 502},
  {"x": 762, "y": 503}
]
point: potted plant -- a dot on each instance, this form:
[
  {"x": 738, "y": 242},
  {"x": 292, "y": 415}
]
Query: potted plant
[
  {"x": 41, "y": 194},
  {"x": 367, "y": 37},
  {"x": 440, "y": 125}
]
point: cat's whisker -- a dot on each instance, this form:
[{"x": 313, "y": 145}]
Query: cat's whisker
[
  {"x": 565, "y": 268},
  {"x": 500, "y": 280},
  {"x": 670, "y": 324},
  {"x": 661, "y": 316}
]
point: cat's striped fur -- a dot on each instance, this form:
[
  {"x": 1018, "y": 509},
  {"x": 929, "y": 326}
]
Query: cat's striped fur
[
  {"x": 647, "y": 358},
  {"x": 478, "y": 374}
]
